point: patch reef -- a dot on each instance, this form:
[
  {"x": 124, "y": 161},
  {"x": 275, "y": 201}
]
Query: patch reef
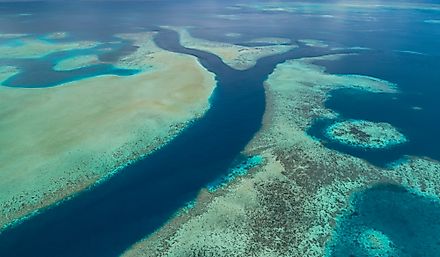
[{"x": 289, "y": 204}]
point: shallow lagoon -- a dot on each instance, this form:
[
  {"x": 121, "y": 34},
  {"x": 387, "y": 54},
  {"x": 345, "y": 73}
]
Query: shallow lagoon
[
  {"x": 41, "y": 70},
  {"x": 388, "y": 220},
  {"x": 238, "y": 93}
]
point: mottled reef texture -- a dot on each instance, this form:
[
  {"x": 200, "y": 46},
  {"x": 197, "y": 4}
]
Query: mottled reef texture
[
  {"x": 387, "y": 221},
  {"x": 236, "y": 56},
  {"x": 76, "y": 62},
  {"x": 288, "y": 205},
  {"x": 59, "y": 140},
  {"x": 365, "y": 134}
]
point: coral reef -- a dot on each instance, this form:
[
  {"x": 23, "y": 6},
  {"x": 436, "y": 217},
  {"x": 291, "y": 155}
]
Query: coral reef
[
  {"x": 240, "y": 170},
  {"x": 365, "y": 134},
  {"x": 236, "y": 56},
  {"x": 60, "y": 140},
  {"x": 37, "y": 48},
  {"x": 313, "y": 43},
  {"x": 387, "y": 220},
  {"x": 376, "y": 243},
  {"x": 76, "y": 62},
  {"x": 290, "y": 204}
]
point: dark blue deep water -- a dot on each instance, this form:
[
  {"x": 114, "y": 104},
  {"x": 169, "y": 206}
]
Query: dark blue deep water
[
  {"x": 413, "y": 111},
  {"x": 107, "y": 219}
]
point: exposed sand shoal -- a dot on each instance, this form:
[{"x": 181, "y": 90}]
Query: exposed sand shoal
[
  {"x": 59, "y": 140},
  {"x": 76, "y": 62},
  {"x": 35, "y": 48},
  {"x": 288, "y": 205},
  {"x": 236, "y": 56}
]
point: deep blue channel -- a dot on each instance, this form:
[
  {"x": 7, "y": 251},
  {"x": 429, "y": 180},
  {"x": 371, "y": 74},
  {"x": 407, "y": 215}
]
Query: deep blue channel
[{"x": 110, "y": 217}]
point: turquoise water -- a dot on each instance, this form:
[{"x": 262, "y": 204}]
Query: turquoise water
[
  {"x": 39, "y": 72},
  {"x": 413, "y": 111},
  {"x": 409, "y": 225},
  {"x": 139, "y": 199},
  {"x": 237, "y": 171},
  {"x": 109, "y": 218}
]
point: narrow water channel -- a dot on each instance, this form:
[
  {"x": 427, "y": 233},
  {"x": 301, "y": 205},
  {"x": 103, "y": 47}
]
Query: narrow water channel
[{"x": 110, "y": 217}]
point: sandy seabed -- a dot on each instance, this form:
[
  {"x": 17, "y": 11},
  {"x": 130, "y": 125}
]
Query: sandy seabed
[
  {"x": 37, "y": 48},
  {"x": 287, "y": 206},
  {"x": 76, "y": 62},
  {"x": 59, "y": 140},
  {"x": 236, "y": 56}
]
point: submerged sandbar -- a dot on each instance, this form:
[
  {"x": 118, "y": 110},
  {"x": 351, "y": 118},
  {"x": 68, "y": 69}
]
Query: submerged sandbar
[
  {"x": 7, "y": 72},
  {"x": 76, "y": 62},
  {"x": 236, "y": 56},
  {"x": 37, "y": 48}
]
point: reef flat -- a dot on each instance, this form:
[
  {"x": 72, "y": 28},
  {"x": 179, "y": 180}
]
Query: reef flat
[
  {"x": 236, "y": 56},
  {"x": 290, "y": 203},
  {"x": 240, "y": 170},
  {"x": 388, "y": 220},
  {"x": 76, "y": 62},
  {"x": 365, "y": 134},
  {"x": 37, "y": 48},
  {"x": 60, "y": 140}
]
